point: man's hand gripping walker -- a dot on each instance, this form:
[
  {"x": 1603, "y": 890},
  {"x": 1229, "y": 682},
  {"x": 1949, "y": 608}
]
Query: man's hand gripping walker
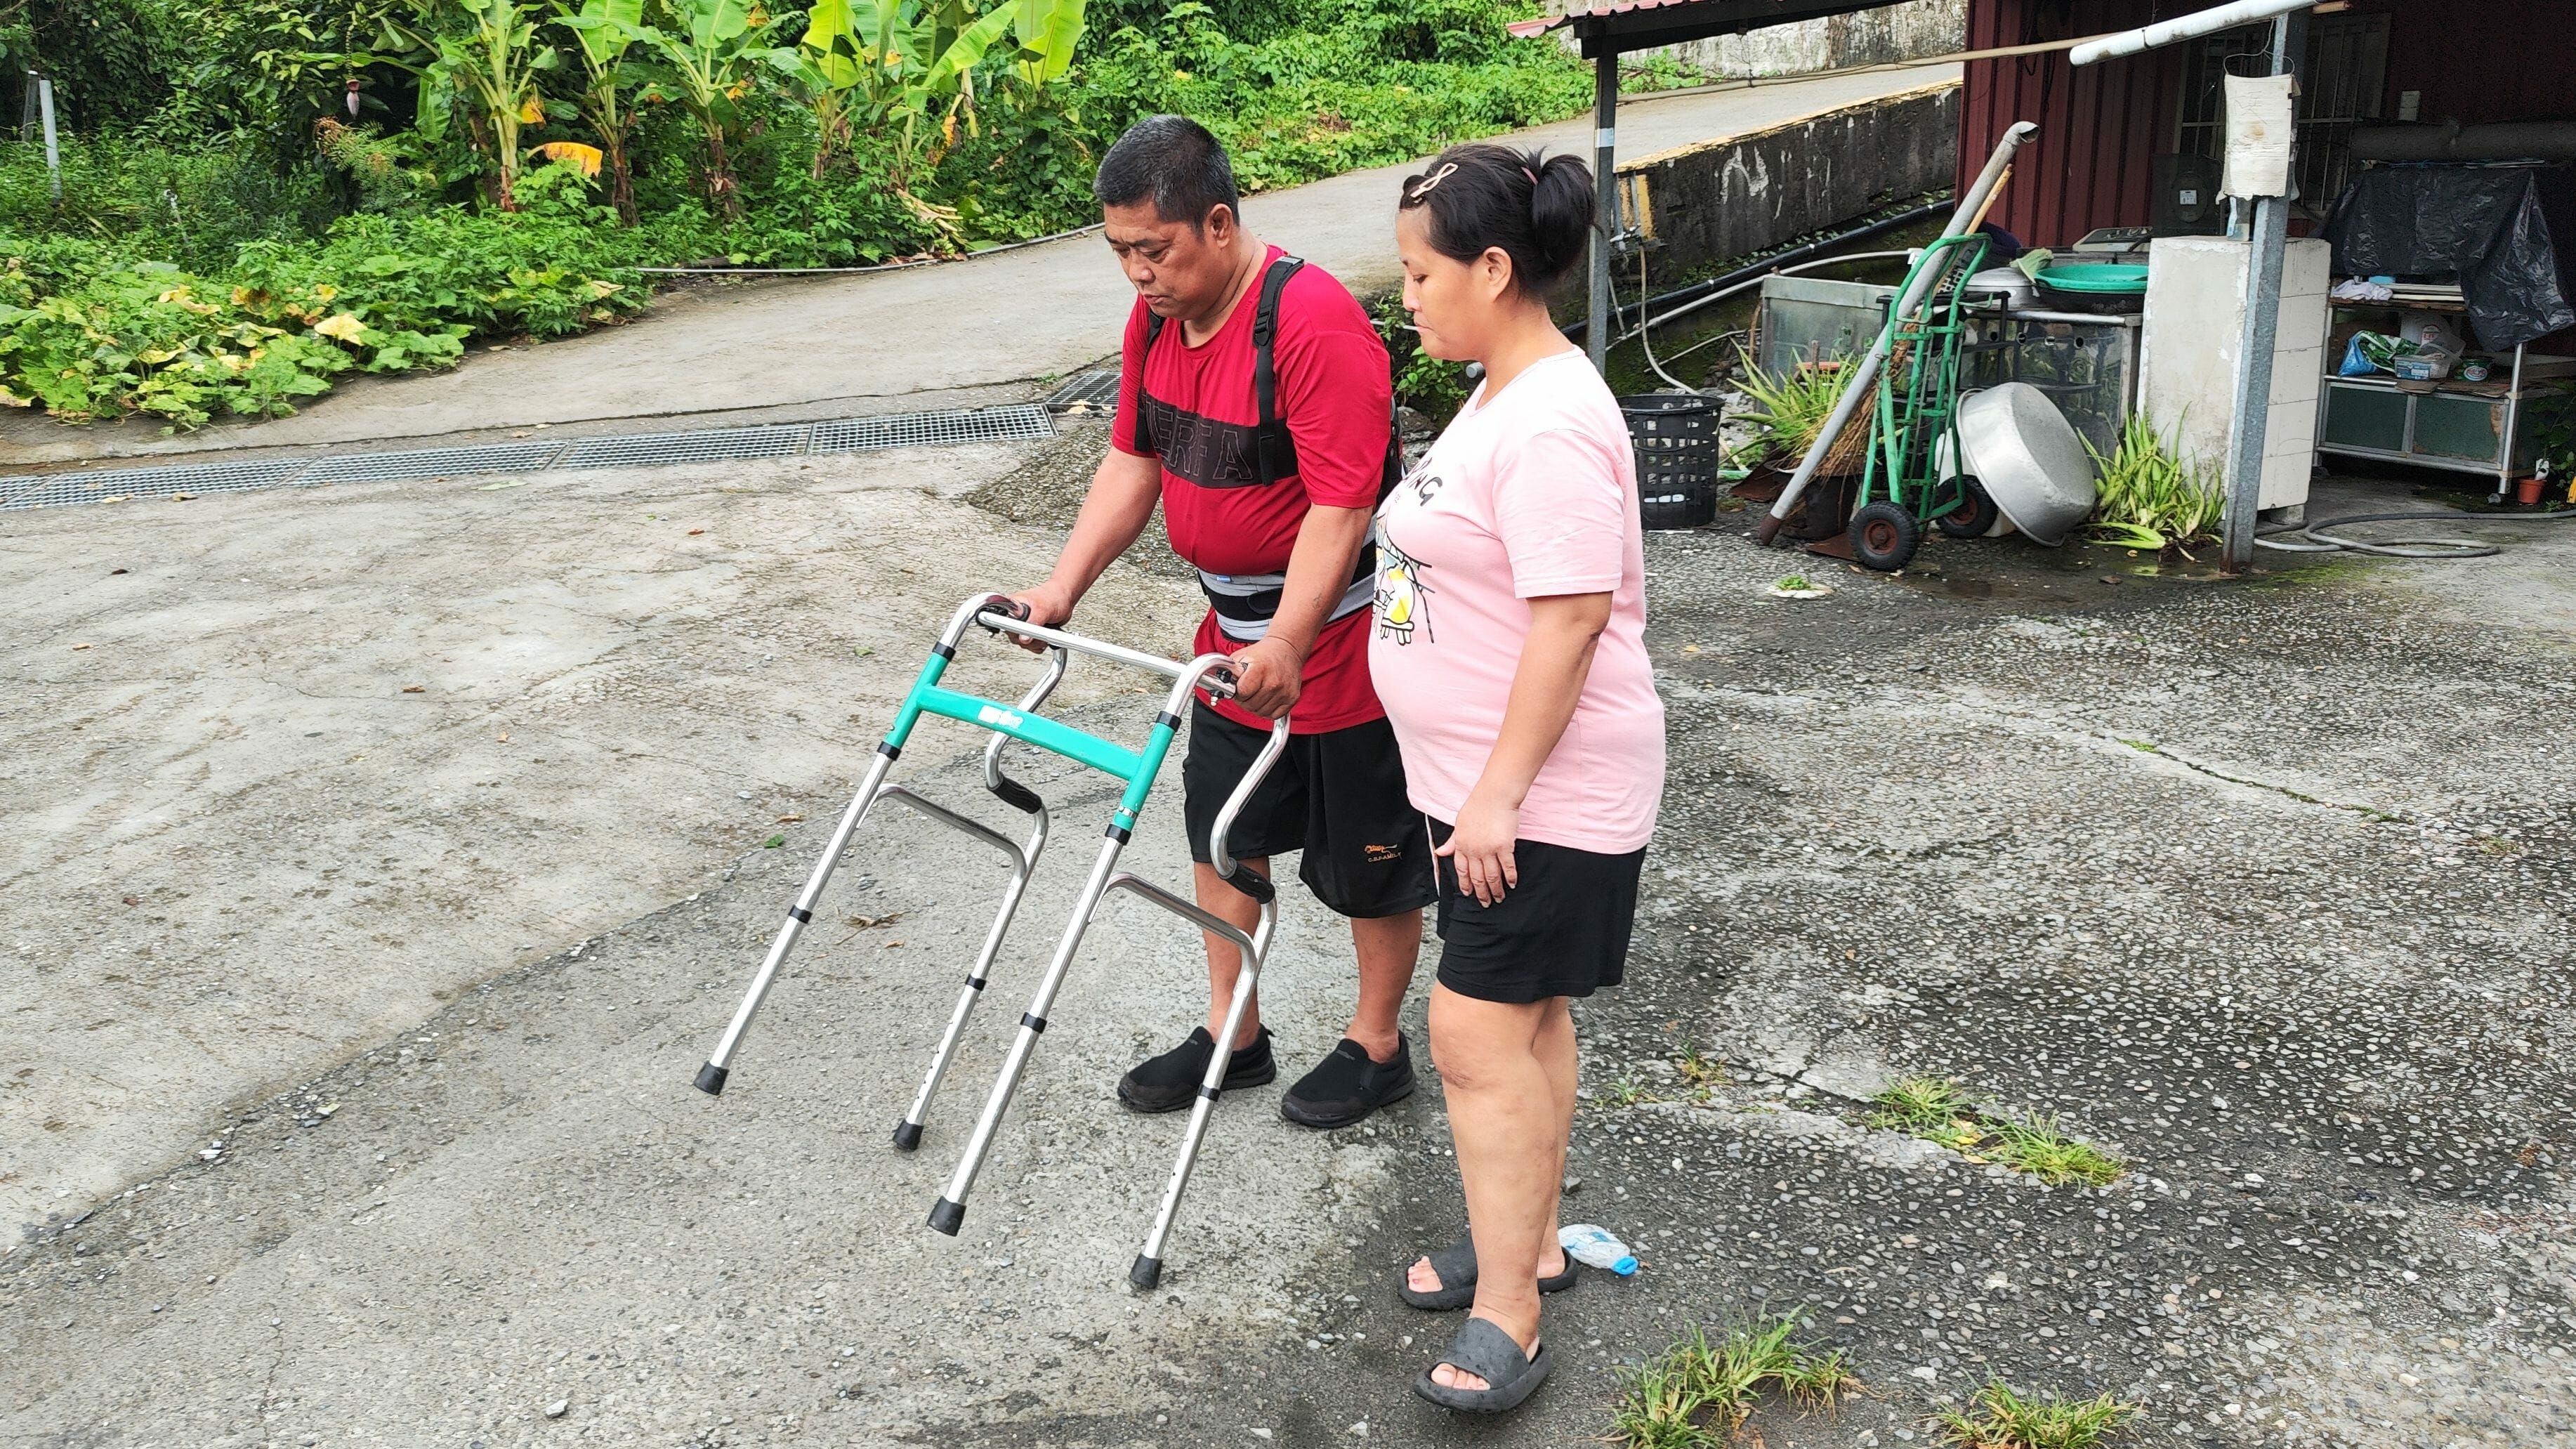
[{"x": 998, "y": 614}]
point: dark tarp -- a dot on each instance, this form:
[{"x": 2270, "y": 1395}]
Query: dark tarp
[{"x": 2493, "y": 225}]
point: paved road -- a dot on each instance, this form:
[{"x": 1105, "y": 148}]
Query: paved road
[
  {"x": 2257, "y": 893},
  {"x": 872, "y": 343}
]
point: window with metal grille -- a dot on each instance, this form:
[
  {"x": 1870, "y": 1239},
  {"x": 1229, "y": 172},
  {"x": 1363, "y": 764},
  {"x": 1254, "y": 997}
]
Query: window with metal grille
[{"x": 2342, "y": 83}]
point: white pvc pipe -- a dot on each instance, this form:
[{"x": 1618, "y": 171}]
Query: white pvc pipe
[{"x": 2184, "y": 27}]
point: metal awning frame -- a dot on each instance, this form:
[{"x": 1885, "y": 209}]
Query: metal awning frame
[{"x": 1631, "y": 25}]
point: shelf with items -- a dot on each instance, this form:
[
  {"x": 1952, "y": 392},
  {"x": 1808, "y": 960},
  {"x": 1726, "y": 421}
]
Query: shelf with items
[{"x": 2452, "y": 423}]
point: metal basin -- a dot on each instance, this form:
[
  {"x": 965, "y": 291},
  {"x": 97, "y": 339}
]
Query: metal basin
[{"x": 2029, "y": 458}]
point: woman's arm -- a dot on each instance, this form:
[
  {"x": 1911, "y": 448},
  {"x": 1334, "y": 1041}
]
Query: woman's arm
[{"x": 1555, "y": 659}]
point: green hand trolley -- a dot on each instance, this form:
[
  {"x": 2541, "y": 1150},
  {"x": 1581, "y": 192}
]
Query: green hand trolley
[
  {"x": 997, "y": 614},
  {"x": 1914, "y": 430}
]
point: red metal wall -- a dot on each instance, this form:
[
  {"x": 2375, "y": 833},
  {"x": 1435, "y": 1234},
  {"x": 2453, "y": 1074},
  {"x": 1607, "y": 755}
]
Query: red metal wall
[
  {"x": 2100, "y": 128},
  {"x": 2500, "y": 60},
  {"x": 2090, "y": 163}
]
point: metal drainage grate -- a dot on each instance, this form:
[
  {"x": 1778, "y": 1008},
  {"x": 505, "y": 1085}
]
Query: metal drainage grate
[
  {"x": 654, "y": 449},
  {"x": 844, "y": 435},
  {"x": 919, "y": 430},
  {"x": 432, "y": 463},
  {"x": 1086, "y": 393},
  {"x": 52, "y": 490}
]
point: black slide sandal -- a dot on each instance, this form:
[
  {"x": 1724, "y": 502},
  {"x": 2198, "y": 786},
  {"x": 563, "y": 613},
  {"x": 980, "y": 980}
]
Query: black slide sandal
[
  {"x": 1489, "y": 1353},
  {"x": 1456, "y": 1265}
]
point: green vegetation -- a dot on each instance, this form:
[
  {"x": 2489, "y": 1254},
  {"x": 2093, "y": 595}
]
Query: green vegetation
[
  {"x": 1793, "y": 584},
  {"x": 1939, "y": 1110},
  {"x": 259, "y": 195},
  {"x": 1697, "y": 1394},
  {"x": 1999, "y": 1418},
  {"x": 2148, "y": 498}
]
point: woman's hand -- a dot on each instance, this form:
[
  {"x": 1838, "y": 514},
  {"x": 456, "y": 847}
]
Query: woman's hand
[{"x": 1480, "y": 847}]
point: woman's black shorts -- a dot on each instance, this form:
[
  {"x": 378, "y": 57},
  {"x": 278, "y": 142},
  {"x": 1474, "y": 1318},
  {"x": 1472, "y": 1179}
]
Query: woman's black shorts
[{"x": 1563, "y": 931}]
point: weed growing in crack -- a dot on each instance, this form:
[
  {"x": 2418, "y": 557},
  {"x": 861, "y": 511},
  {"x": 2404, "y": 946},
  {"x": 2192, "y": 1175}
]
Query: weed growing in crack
[
  {"x": 1699, "y": 1393},
  {"x": 1626, "y": 1092},
  {"x": 1939, "y": 1110},
  {"x": 1699, "y": 1071},
  {"x": 1997, "y": 1417}
]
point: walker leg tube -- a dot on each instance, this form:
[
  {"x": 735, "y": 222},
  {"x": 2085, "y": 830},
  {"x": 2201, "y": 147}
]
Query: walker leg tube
[
  {"x": 1148, "y": 1268},
  {"x": 950, "y": 1211},
  {"x": 907, "y": 1133},
  {"x": 711, "y": 1077}
]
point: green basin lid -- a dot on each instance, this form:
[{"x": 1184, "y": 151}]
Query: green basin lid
[{"x": 2094, "y": 277}]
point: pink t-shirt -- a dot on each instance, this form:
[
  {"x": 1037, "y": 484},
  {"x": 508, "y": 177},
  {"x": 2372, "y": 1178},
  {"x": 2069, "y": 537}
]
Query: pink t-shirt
[{"x": 1529, "y": 494}]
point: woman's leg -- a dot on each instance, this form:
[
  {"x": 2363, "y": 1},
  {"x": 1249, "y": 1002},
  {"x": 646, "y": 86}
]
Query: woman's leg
[
  {"x": 1502, "y": 1115},
  {"x": 1556, "y": 1055}
]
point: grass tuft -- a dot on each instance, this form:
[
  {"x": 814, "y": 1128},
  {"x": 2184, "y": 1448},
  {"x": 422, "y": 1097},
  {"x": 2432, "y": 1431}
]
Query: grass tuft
[
  {"x": 1698, "y": 1393},
  {"x": 1997, "y": 1417},
  {"x": 1937, "y": 1109}
]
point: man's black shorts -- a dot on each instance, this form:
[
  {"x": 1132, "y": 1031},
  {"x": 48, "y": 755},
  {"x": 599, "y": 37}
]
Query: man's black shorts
[{"x": 1337, "y": 796}]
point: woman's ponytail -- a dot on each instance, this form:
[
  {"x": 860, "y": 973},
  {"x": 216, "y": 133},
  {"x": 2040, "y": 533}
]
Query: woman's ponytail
[
  {"x": 1561, "y": 211},
  {"x": 1537, "y": 209}
]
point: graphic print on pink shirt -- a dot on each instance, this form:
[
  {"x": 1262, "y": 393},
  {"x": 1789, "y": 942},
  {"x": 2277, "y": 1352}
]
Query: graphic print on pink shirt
[{"x": 1528, "y": 495}]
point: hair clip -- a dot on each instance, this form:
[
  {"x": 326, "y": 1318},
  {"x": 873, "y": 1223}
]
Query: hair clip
[
  {"x": 1432, "y": 180},
  {"x": 1532, "y": 175}
]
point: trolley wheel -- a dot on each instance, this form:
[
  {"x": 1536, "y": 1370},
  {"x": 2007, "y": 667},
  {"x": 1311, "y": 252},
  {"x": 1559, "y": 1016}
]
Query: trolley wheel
[
  {"x": 1884, "y": 537},
  {"x": 1974, "y": 517}
]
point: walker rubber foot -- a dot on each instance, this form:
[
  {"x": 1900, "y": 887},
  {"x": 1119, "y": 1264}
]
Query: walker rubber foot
[
  {"x": 711, "y": 1079},
  {"x": 948, "y": 1216},
  {"x": 1147, "y": 1272},
  {"x": 907, "y": 1136}
]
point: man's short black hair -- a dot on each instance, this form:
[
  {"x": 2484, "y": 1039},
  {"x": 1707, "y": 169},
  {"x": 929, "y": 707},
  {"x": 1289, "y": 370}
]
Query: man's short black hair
[{"x": 1176, "y": 162}]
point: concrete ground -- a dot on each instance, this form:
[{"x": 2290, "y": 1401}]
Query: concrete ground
[
  {"x": 800, "y": 348},
  {"x": 2257, "y": 885}
]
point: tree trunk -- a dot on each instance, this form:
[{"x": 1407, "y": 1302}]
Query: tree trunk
[
  {"x": 720, "y": 182},
  {"x": 621, "y": 179}
]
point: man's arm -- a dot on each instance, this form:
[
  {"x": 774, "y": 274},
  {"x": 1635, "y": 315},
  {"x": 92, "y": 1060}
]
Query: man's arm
[
  {"x": 1114, "y": 513},
  {"x": 1319, "y": 572}
]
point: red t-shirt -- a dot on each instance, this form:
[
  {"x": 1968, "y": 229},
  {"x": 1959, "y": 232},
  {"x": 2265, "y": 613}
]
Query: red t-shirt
[{"x": 1334, "y": 394}]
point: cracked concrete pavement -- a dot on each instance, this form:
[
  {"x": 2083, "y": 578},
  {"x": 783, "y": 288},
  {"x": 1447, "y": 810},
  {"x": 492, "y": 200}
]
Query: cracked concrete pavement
[{"x": 2259, "y": 886}]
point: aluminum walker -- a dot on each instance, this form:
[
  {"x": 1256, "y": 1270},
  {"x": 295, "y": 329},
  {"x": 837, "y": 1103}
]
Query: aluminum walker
[{"x": 1136, "y": 769}]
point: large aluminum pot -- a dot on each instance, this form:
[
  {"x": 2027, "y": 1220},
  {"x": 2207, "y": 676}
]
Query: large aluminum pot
[{"x": 2029, "y": 458}]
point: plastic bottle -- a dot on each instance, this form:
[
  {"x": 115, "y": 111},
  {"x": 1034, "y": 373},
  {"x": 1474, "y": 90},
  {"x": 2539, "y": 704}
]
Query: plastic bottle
[{"x": 1597, "y": 1248}]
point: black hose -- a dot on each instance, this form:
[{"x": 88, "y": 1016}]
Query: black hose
[{"x": 1622, "y": 316}]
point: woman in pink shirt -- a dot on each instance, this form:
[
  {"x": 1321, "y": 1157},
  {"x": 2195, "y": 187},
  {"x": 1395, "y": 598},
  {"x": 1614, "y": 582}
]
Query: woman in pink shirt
[{"x": 1509, "y": 650}]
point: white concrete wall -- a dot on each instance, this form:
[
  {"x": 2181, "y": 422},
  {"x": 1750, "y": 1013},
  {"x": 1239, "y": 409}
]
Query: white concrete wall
[
  {"x": 1908, "y": 31},
  {"x": 2195, "y": 326}
]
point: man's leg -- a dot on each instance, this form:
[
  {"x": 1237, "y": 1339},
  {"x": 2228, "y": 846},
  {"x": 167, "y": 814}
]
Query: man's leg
[
  {"x": 1225, "y": 962},
  {"x": 1388, "y": 947}
]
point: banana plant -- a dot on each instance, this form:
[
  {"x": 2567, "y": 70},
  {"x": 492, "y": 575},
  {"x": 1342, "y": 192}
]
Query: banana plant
[
  {"x": 706, "y": 63},
  {"x": 604, "y": 32},
  {"x": 1047, "y": 31},
  {"x": 490, "y": 73}
]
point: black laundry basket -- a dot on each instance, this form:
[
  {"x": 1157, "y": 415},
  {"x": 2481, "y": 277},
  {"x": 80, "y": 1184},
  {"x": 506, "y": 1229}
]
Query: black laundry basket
[{"x": 1678, "y": 453}]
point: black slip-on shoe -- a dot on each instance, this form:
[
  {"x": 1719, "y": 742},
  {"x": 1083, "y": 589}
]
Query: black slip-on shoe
[
  {"x": 1170, "y": 1082},
  {"x": 1346, "y": 1086}
]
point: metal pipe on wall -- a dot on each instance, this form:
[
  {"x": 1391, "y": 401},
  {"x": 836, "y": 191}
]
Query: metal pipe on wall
[
  {"x": 2182, "y": 27},
  {"x": 1856, "y": 383},
  {"x": 1605, "y": 199}
]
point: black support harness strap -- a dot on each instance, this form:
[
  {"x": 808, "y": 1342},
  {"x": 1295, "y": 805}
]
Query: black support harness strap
[{"x": 1245, "y": 603}]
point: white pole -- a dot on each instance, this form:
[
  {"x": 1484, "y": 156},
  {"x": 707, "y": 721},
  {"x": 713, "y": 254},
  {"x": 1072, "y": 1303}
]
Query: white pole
[
  {"x": 53, "y": 154},
  {"x": 2182, "y": 27}
]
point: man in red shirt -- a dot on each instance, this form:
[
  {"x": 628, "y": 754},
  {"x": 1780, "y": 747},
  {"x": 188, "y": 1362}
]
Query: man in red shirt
[{"x": 1271, "y": 498}]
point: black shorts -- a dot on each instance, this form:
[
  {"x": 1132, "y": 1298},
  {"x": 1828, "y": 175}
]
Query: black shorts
[
  {"x": 1563, "y": 931},
  {"x": 1337, "y": 796}
]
